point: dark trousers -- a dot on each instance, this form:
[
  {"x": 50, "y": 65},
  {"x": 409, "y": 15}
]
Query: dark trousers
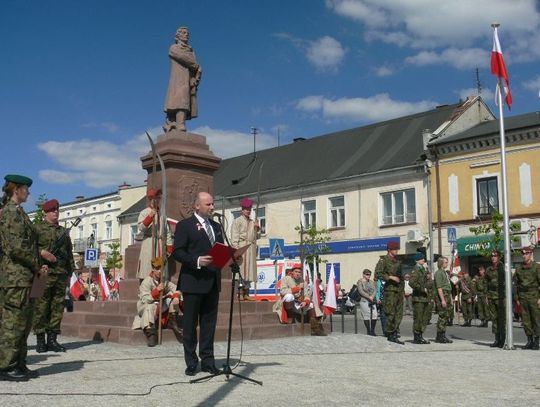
[{"x": 201, "y": 309}]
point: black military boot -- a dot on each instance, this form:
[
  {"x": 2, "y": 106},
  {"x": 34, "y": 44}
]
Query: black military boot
[
  {"x": 41, "y": 346},
  {"x": 445, "y": 339},
  {"x": 394, "y": 338},
  {"x": 496, "y": 343},
  {"x": 32, "y": 374},
  {"x": 423, "y": 340},
  {"x": 373, "y": 324},
  {"x": 416, "y": 339},
  {"x": 52, "y": 344},
  {"x": 529, "y": 343},
  {"x": 535, "y": 345}
]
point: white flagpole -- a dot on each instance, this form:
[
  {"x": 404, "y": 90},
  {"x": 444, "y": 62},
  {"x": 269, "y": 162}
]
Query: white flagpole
[{"x": 507, "y": 253}]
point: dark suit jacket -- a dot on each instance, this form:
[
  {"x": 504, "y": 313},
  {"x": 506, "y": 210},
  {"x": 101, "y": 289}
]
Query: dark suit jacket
[{"x": 190, "y": 242}]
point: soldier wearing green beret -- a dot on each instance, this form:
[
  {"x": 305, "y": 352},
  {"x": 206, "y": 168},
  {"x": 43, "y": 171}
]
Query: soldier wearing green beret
[
  {"x": 56, "y": 252},
  {"x": 420, "y": 300},
  {"x": 388, "y": 269},
  {"x": 19, "y": 262}
]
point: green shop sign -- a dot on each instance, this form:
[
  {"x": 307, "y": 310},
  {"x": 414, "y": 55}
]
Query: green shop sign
[{"x": 470, "y": 245}]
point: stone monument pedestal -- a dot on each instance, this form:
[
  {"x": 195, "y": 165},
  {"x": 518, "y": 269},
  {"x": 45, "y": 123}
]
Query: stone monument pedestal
[{"x": 189, "y": 168}]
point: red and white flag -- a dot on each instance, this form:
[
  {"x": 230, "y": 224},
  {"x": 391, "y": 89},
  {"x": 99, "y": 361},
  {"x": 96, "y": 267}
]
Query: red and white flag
[
  {"x": 75, "y": 287},
  {"x": 456, "y": 268},
  {"x": 498, "y": 68},
  {"x": 330, "y": 302},
  {"x": 315, "y": 293},
  {"x": 306, "y": 274},
  {"x": 103, "y": 284}
]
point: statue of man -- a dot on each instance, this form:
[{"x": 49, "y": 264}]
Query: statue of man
[{"x": 181, "y": 100}]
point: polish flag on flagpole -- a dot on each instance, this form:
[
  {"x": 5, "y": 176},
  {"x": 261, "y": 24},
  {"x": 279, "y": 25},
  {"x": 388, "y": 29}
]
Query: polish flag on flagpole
[
  {"x": 103, "y": 284},
  {"x": 456, "y": 267},
  {"x": 498, "y": 68},
  {"x": 75, "y": 287},
  {"x": 330, "y": 302}
]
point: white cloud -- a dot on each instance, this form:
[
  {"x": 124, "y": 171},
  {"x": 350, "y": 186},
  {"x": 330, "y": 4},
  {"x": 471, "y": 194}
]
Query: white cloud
[
  {"x": 231, "y": 143},
  {"x": 487, "y": 94},
  {"x": 533, "y": 84},
  {"x": 383, "y": 71},
  {"x": 428, "y": 24},
  {"x": 458, "y": 58},
  {"x": 326, "y": 54},
  {"x": 375, "y": 108}
]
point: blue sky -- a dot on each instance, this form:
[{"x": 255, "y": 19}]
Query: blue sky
[{"x": 82, "y": 80}]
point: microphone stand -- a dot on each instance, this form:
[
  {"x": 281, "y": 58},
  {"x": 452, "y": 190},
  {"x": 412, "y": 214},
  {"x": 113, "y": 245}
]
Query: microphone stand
[{"x": 227, "y": 371}]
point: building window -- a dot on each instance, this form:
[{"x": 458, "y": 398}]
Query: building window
[
  {"x": 337, "y": 211},
  {"x": 487, "y": 196},
  {"x": 309, "y": 210},
  {"x": 94, "y": 228},
  {"x": 108, "y": 229},
  {"x": 398, "y": 207},
  {"x": 81, "y": 232},
  {"x": 133, "y": 232},
  {"x": 262, "y": 220}
]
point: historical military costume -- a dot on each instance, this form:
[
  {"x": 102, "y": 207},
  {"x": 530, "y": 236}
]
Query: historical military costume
[
  {"x": 57, "y": 253},
  {"x": 479, "y": 284},
  {"x": 368, "y": 301},
  {"x": 148, "y": 308},
  {"x": 527, "y": 279},
  {"x": 418, "y": 283},
  {"x": 466, "y": 298},
  {"x": 496, "y": 296},
  {"x": 388, "y": 269},
  {"x": 295, "y": 299},
  {"x": 246, "y": 231},
  {"x": 19, "y": 261},
  {"x": 443, "y": 299},
  {"x": 431, "y": 298}
]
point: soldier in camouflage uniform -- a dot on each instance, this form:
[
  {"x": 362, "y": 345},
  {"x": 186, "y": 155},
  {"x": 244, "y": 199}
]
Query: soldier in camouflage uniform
[
  {"x": 57, "y": 253},
  {"x": 443, "y": 299},
  {"x": 430, "y": 296},
  {"x": 19, "y": 262},
  {"x": 479, "y": 284},
  {"x": 418, "y": 283},
  {"x": 388, "y": 269},
  {"x": 527, "y": 278},
  {"x": 466, "y": 298},
  {"x": 496, "y": 295}
]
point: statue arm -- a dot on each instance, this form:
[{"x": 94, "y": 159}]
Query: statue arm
[{"x": 184, "y": 57}]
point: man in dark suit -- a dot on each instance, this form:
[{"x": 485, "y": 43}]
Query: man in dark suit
[{"x": 199, "y": 282}]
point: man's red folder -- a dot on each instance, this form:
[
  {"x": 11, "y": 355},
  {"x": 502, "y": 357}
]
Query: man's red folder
[{"x": 222, "y": 255}]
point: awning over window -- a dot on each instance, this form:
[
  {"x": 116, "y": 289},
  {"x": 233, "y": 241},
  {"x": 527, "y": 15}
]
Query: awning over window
[{"x": 470, "y": 245}]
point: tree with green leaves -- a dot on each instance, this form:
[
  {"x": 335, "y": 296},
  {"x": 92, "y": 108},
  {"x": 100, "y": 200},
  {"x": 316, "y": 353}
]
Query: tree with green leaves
[
  {"x": 39, "y": 212},
  {"x": 494, "y": 231},
  {"x": 313, "y": 243},
  {"x": 114, "y": 259}
]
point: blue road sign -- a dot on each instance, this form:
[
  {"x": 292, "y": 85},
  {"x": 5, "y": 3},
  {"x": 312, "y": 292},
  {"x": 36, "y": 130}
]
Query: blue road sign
[
  {"x": 277, "y": 249},
  {"x": 91, "y": 257},
  {"x": 452, "y": 235}
]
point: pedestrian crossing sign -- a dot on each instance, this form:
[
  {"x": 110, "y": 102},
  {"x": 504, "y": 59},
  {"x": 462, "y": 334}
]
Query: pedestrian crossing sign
[{"x": 277, "y": 249}]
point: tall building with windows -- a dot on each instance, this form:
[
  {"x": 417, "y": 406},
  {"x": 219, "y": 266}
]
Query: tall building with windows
[
  {"x": 467, "y": 171},
  {"x": 366, "y": 186}
]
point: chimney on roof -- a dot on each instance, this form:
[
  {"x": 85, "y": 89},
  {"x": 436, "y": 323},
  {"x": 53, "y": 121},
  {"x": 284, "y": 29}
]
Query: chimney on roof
[
  {"x": 79, "y": 197},
  {"x": 427, "y": 136},
  {"x": 297, "y": 139},
  {"x": 124, "y": 185}
]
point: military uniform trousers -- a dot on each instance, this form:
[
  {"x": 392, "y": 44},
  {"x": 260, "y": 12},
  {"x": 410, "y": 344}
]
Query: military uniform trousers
[
  {"x": 482, "y": 306},
  {"x": 15, "y": 326},
  {"x": 467, "y": 309},
  {"x": 429, "y": 312},
  {"x": 421, "y": 311},
  {"x": 49, "y": 309},
  {"x": 444, "y": 313},
  {"x": 530, "y": 312},
  {"x": 393, "y": 308},
  {"x": 497, "y": 312}
]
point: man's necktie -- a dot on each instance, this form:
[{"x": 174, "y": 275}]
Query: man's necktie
[{"x": 208, "y": 229}]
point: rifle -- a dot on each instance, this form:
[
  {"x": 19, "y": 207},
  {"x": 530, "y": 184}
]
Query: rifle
[{"x": 59, "y": 242}]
